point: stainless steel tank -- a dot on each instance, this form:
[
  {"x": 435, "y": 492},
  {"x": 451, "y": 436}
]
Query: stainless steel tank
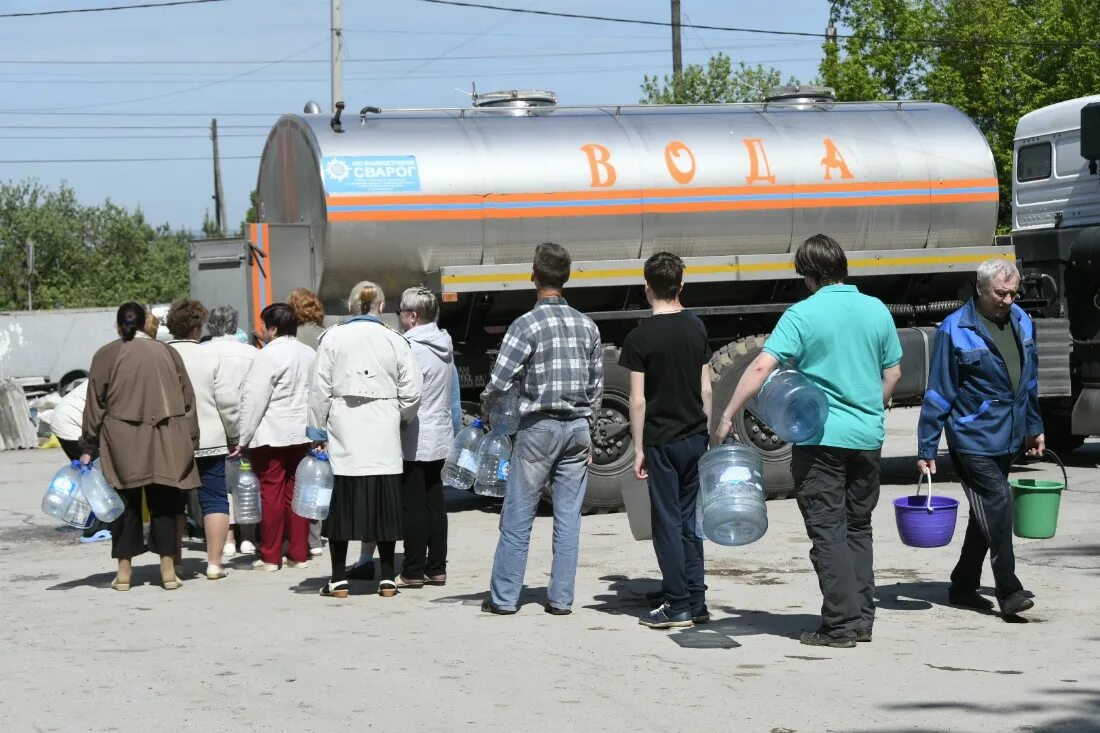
[{"x": 393, "y": 195}]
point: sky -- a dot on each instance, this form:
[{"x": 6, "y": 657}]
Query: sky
[{"x": 77, "y": 89}]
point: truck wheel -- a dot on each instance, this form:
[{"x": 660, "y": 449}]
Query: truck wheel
[
  {"x": 612, "y": 447},
  {"x": 727, "y": 365},
  {"x": 1057, "y": 426}
]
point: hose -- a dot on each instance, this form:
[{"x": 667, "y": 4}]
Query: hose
[{"x": 924, "y": 309}]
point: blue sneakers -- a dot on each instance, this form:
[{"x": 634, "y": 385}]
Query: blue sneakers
[{"x": 664, "y": 618}]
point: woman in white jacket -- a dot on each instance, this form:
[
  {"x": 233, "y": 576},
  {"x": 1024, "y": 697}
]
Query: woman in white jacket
[
  {"x": 216, "y": 399},
  {"x": 366, "y": 384},
  {"x": 426, "y": 441},
  {"x": 274, "y": 410}
]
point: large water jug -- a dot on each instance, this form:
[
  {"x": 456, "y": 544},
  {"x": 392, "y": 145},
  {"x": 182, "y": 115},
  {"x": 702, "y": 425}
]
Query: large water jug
[
  {"x": 78, "y": 512},
  {"x": 504, "y": 413},
  {"x": 461, "y": 467},
  {"x": 791, "y": 405},
  {"x": 494, "y": 461},
  {"x": 63, "y": 488},
  {"x": 105, "y": 501},
  {"x": 731, "y": 495},
  {"x": 313, "y": 486},
  {"x": 246, "y": 496}
]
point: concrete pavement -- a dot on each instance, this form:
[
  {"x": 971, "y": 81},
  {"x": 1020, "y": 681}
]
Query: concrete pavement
[{"x": 262, "y": 652}]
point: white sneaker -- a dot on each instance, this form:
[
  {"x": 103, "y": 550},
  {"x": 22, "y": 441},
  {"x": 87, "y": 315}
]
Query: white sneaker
[
  {"x": 316, "y": 551},
  {"x": 294, "y": 564},
  {"x": 265, "y": 566},
  {"x": 229, "y": 550},
  {"x": 247, "y": 548}
]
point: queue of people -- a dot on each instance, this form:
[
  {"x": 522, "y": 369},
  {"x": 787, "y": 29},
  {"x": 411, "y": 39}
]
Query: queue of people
[{"x": 385, "y": 406}]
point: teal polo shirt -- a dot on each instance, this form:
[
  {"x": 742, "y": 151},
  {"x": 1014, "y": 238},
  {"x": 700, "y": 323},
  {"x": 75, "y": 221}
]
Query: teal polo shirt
[{"x": 842, "y": 340}]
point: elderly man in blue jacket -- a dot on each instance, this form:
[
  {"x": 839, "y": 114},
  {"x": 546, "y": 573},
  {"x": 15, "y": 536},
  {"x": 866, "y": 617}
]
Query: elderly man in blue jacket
[{"x": 983, "y": 388}]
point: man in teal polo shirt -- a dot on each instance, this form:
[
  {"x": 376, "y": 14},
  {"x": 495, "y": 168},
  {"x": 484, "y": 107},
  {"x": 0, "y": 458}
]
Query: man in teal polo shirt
[{"x": 845, "y": 343}]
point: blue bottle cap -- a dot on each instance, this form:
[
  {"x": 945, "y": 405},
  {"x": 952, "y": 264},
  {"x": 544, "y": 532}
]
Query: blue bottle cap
[
  {"x": 74, "y": 464},
  {"x": 476, "y": 423},
  {"x": 320, "y": 455}
]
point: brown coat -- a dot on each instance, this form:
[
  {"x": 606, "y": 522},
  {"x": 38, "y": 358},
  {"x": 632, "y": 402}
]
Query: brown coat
[{"x": 141, "y": 414}]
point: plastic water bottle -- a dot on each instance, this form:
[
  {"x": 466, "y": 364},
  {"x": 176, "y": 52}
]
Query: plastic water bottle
[
  {"x": 63, "y": 488},
  {"x": 313, "y": 486},
  {"x": 461, "y": 467},
  {"x": 494, "y": 460},
  {"x": 731, "y": 495},
  {"x": 504, "y": 414},
  {"x": 791, "y": 405},
  {"x": 105, "y": 501},
  {"x": 78, "y": 512},
  {"x": 246, "y": 496}
]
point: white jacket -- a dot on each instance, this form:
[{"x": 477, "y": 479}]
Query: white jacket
[
  {"x": 215, "y": 396},
  {"x": 275, "y": 398},
  {"x": 367, "y": 382},
  {"x": 236, "y": 357},
  {"x": 67, "y": 420},
  {"x": 429, "y": 435}
]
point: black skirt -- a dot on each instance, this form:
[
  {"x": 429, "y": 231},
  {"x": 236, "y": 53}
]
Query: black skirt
[{"x": 364, "y": 509}]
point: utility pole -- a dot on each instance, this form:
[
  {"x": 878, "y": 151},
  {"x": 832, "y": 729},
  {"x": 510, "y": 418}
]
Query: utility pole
[
  {"x": 337, "y": 70},
  {"x": 677, "y": 62},
  {"x": 219, "y": 195},
  {"x": 30, "y": 274}
]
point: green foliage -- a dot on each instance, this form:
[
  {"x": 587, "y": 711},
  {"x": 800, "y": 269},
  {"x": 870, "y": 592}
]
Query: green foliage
[
  {"x": 251, "y": 216},
  {"x": 719, "y": 81},
  {"x": 993, "y": 83},
  {"x": 85, "y": 256}
]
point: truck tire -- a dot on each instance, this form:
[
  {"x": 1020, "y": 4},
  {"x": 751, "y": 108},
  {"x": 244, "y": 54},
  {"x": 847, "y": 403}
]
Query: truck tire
[
  {"x": 1057, "y": 426},
  {"x": 727, "y": 365}
]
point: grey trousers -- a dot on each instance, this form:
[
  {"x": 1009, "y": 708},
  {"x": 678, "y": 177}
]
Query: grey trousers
[
  {"x": 837, "y": 490},
  {"x": 315, "y": 534}
]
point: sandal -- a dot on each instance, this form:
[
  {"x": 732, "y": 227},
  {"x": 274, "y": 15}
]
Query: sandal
[
  {"x": 116, "y": 585},
  {"x": 403, "y": 582},
  {"x": 387, "y": 589},
  {"x": 339, "y": 589},
  {"x": 173, "y": 584},
  {"x": 215, "y": 572},
  {"x": 436, "y": 579}
]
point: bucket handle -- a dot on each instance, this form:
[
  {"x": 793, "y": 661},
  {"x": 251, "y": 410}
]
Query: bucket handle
[
  {"x": 928, "y": 503},
  {"x": 1065, "y": 478}
]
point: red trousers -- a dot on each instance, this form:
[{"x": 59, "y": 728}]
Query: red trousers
[{"x": 275, "y": 469}]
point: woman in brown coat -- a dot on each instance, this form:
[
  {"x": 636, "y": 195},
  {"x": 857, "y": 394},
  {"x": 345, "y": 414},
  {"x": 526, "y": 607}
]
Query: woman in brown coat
[{"x": 141, "y": 415}]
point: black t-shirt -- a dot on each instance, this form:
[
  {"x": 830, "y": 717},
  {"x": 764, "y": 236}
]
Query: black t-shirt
[{"x": 670, "y": 349}]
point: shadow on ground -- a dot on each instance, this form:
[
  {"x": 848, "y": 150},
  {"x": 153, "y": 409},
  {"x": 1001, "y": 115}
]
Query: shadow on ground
[
  {"x": 730, "y": 623},
  {"x": 146, "y": 572},
  {"x": 1072, "y": 709}
]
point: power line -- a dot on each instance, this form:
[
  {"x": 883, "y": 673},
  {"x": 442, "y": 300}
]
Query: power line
[
  {"x": 763, "y": 31},
  {"x": 128, "y": 127},
  {"x": 109, "y": 8},
  {"x": 253, "y": 135},
  {"x": 204, "y": 158}
]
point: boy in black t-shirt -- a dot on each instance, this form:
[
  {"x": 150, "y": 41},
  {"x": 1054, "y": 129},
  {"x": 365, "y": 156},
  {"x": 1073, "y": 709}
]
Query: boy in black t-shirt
[{"x": 669, "y": 361}]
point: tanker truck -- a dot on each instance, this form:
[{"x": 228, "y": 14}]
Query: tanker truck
[{"x": 458, "y": 199}]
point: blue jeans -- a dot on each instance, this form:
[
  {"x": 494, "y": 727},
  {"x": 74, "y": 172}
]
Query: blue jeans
[{"x": 545, "y": 448}]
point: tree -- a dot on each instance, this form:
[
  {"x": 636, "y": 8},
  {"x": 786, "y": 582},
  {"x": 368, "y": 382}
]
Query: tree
[
  {"x": 85, "y": 256},
  {"x": 995, "y": 60},
  {"x": 717, "y": 82}
]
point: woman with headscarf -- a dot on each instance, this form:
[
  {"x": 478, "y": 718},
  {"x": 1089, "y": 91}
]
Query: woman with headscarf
[
  {"x": 141, "y": 416},
  {"x": 366, "y": 383}
]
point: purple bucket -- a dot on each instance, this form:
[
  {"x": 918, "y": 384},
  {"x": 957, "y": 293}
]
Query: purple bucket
[{"x": 926, "y": 521}]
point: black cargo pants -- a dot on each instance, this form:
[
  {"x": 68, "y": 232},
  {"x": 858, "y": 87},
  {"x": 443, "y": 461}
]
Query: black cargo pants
[
  {"x": 985, "y": 481},
  {"x": 837, "y": 489}
]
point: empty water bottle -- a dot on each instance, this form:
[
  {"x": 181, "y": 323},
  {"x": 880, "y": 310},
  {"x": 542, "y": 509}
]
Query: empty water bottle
[
  {"x": 246, "y": 496},
  {"x": 731, "y": 495},
  {"x": 461, "y": 467},
  {"x": 62, "y": 490},
  {"x": 494, "y": 458},
  {"x": 105, "y": 501},
  {"x": 313, "y": 486},
  {"x": 791, "y": 405},
  {"x": 504, "y": 413},
  {"x": 78, "y": 512}
]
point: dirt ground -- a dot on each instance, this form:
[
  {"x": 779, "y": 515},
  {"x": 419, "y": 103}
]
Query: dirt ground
[{"x": 263, "y": 652}]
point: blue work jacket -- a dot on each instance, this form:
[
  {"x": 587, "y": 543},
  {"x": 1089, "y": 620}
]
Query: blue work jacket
[{"x": 969, "y": 391}]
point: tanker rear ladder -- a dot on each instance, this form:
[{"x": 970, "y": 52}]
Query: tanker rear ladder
[{"x": 454, "y": 281}]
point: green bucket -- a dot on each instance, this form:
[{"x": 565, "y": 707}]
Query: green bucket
[{"x": 1035, "y": 505}]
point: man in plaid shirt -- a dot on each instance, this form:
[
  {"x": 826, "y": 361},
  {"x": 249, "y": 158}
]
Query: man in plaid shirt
[{"x": 554, "y": 355}]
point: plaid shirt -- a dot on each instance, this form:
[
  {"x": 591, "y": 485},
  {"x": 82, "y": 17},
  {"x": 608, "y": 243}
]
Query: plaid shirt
[{"x": 555, "y": 353}]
